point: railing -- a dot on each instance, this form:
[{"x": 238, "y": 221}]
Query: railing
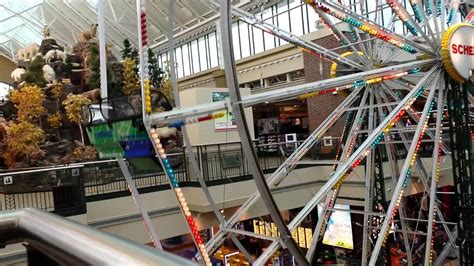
[
  {"x": 64, "y": 190},
  {"x": 50, "y": 237}
]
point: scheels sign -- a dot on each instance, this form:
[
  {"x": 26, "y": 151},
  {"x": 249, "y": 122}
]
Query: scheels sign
[
  {"x": 462, "y": 49},
  {"x": 458, "y": 51}
]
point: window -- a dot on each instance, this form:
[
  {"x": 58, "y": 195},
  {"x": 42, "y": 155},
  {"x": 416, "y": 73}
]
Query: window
[
  {"x": 194, "y": 52},
  {"x": 179, "y": 62},
  {"x": 296, "y": 21},
  {"x": 186, "y": 60},
  {"x": 259, "y": 45},
  {"x": 244, "y": 39},
  {"x": 213, "y": 51},
  {"x": 291, "y": 15},
  {"x": 203, "y": 51},
  {"x": 235, "y": 40}
]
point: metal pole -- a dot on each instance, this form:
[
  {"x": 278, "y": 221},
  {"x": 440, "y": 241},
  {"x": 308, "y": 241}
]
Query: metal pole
[
  {"x": 347, "y": 149},
  {"x": 187, "y": 141},
  {"x": 136, "y": 197},
  {"x": 423, "y": 173},
  {"x": 398, "y": 190},
  {"x": 238, "y": 108},
  {"x": 395, "y": 173},
  {"x": 286, "y": 93},
  {"x": 369, "y": 168},
  {"x": 102, "y": 52},
  {"x": 73, "y": 243},
  {"x": 434, "y": 176}
]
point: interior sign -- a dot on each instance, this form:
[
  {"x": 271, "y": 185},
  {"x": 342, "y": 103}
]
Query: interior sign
[{"x": 457, "y": 51}]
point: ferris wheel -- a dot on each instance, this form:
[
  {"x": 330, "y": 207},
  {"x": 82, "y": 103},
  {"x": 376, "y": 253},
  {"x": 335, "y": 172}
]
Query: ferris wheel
[{"x": 400, "y": 63}]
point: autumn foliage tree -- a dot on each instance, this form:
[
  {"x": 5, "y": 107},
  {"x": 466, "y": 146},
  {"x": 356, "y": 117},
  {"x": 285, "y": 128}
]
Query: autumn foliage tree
[
  {"x": 23, "y": 139},
  {"x": 74, "y": 104},
  {"x": 23, "y": 136},
  {"x": 131, "y": 84},
  {"x": 28, "y": 100}
]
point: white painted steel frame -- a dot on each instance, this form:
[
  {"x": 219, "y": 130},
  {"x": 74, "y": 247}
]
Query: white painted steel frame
[{"x": 293, "y": 160}]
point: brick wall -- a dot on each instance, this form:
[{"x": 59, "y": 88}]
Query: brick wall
[{"x": 320, "y": 107}]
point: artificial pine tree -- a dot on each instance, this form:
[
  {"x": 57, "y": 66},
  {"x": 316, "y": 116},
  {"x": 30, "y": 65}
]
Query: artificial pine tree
[
  {"x": 154, "y": 71},
  {"x": 134, "y": 56},
  {"x": 127, "y": 49},
  {"x": 34, "y": 72},
  {"x": 94, "y": 79}
]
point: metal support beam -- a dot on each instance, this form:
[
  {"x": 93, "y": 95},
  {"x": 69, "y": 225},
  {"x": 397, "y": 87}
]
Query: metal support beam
[
  {"x": 138, "y": 202},
  {"x": 398, "y": 190},
  {"x": 434, "y": 176},
  {"x": 244, "y": 134}
]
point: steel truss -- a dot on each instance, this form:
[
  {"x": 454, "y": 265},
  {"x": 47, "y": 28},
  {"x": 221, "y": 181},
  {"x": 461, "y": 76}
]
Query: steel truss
[
  {"x": 463, "y": 172},
  {"x": 379, "y": 106}
]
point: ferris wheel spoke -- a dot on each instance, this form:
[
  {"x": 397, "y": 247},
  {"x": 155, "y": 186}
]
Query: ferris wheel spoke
[
  {"x": 354, "y": 160},
  {"x": 368, "y": 193},
  {"x": 287, "y": 166},
  {"x": 368, "y": 26},
  {"x": 340, "y": 36},
  {"x": 423, "y": 19},
  {"x": 405, "y": 172},
  {"x": 244, "y": 134},
  {"x": 394, "y": 173},
  {"x": 415, "y": 117},
  {"x": 330, "y": 197},
  {"x": 290, "y": 37},
  {"x": 434, "y": 179},
  {"x": 411, "y": 24}
]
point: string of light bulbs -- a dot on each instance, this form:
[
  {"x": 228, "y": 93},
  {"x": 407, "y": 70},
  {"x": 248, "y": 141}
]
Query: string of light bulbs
[
  {"x": 364, "y": 26},
  {"x": 359, "y": 83}
]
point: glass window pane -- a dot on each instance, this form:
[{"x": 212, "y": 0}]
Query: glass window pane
[
  {"x": 213, "y": 53},
  {"x": 244, "y": 39},
  {"x": 235, "y": 41},
  {"x": 258, "y": 40},
  {"x": 195, "y": 57},
  {"x": 283, "y": 19},
  {"x": 202, "y": 53},
  {"x": 296, "y": 21},
  {"x": 186, "y": 60},
  {"x": 269, "y": 41},
  {"x": 179, "y": 62},
  {"x": 312, "y": 18}
]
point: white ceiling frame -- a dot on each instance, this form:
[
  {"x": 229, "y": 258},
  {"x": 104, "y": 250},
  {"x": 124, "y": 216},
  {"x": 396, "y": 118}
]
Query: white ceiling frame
[
  {"x": 17, "y": 13},
  {"x": 65, "y": 21},
  {"x": 194, "y": 27},
  {"x": 14, "y": 28},
  {"x": 162, "y": 25},
  {"x": 186, "y": 5},
  {"x": 93, "y": 19}
]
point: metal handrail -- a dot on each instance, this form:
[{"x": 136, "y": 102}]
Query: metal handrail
[{"x": 72, "y": 243}]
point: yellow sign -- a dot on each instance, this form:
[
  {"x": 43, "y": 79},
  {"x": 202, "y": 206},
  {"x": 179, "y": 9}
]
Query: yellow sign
[{"x": 301, "y": 235}]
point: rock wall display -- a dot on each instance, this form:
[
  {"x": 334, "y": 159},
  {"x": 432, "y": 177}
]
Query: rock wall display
[{"x": 57, "y": 74}]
